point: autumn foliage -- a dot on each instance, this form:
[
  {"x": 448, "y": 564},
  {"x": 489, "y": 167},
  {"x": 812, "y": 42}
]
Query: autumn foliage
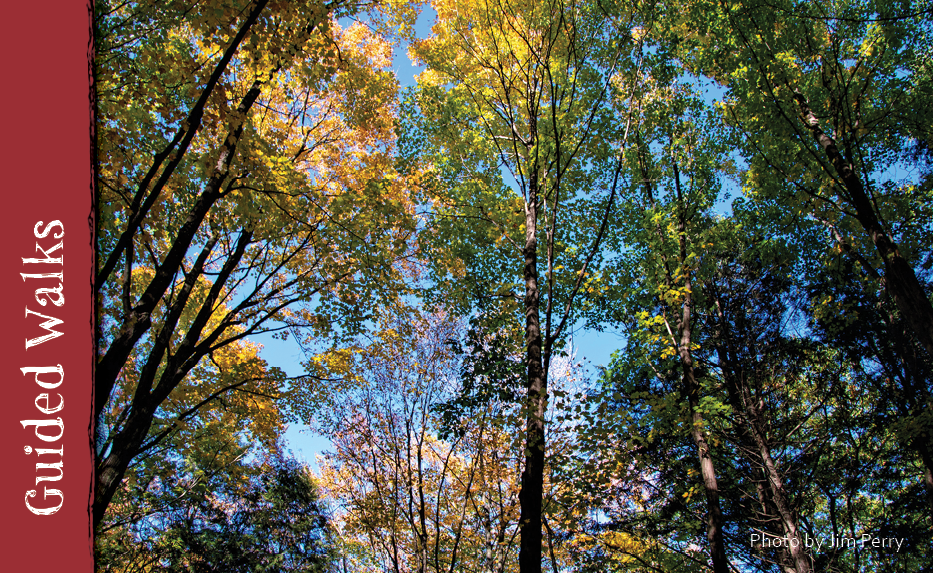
[{"x": 735, "y": 198}]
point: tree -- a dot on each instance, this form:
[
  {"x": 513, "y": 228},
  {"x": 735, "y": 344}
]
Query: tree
[
  {"x": 829, "y": 96},
  {"x": 813, "y": 422},
  {"x": 222, "y": 514},
  {"x": 231, "y": 135},
  {"x": 761, "y": 366},
  {"x": 556, "y": 163},
  {"x": 802, "y": 436},
  {"x": 423, "y": 466},
  {"x": 523, "y": 91},
  {"x": 667, "y": 225},
  {"x": 411, "y": 499}
]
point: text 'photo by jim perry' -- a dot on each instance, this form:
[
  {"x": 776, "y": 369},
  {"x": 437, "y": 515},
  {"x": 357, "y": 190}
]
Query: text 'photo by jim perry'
[
  {"x": 49, "y": 282},
  {"x": 763, "y": 540}
]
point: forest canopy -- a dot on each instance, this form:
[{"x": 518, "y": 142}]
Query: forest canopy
[{"x": 741, "y": 190}]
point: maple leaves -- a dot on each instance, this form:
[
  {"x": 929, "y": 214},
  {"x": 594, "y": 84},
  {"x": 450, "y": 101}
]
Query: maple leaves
[{"x": 239, "y": 129}]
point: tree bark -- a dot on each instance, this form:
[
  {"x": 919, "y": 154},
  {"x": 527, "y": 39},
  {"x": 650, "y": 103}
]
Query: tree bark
[
  {"x": 532, "y": 486},
  {"x": 714, "y": 519}
]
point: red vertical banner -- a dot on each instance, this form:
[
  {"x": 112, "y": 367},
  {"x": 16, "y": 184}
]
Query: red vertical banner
[{"x": 47, "y": 262}]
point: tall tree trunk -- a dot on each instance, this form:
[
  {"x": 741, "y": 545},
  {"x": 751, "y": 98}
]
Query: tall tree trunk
[
  {"x": 532, "y": 487},
  {"x": 714, "y": 519},
  {"x": 908, "y": 357},
  {"x": 752, "y": 424}
]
